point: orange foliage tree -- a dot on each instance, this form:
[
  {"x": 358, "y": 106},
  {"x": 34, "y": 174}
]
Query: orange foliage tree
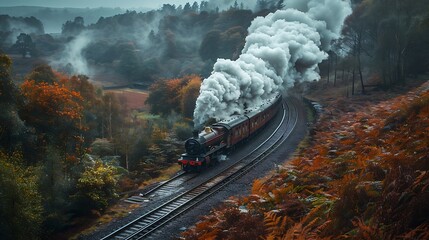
[
  {"x": 50, "y": 103},
  {"x": 55, "y": 112},
  {"x": 189, "y": 95},
  {"x": 178, "y": 95}
]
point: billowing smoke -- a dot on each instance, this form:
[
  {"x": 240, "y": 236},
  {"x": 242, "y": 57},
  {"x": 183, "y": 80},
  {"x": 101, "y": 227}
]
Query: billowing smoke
[
  {"x": 72, "y": 59},
  {"x": 282, "y": 48}
]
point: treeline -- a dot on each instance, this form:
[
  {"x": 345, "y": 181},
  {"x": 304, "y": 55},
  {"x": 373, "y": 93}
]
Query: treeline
[
  {"x": 26, "y": 36},
  {"x": 143, "y": 47},
  {"x": 172, "y": 41},
  {"x": 53, "y": 18},
  {"x": 384, "y": 43},
  {"x": 10, "y": 27},
  {"x": 156, "y": 45},
  {"x": 67, "y": 148}
]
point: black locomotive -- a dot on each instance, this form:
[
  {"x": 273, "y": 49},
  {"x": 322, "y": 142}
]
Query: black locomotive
[{"x": 220, "y": 137}]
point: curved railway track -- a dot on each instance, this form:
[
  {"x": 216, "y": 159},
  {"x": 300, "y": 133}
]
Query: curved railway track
[
  {"x": 149, "y": 222},
  {"x": 164, "y": 189}
]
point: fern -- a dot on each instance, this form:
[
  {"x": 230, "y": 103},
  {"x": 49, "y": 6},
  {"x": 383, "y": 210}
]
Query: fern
[
  {"x": 276, "y": 225},
  {"x": 257, "y": 187}
]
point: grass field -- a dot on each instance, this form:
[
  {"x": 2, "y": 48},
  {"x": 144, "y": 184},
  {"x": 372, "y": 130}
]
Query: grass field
[{"x": 134, "y": 99}]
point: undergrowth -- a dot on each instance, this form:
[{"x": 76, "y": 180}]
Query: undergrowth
[{"x": 365, "y": 175}]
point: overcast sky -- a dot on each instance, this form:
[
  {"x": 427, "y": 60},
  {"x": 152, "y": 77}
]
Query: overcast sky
[{"x": 93, "y": 3}]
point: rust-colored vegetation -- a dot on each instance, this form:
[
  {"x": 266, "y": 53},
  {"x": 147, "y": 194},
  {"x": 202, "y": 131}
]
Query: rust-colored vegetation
[{"x": 365, "y": 176}]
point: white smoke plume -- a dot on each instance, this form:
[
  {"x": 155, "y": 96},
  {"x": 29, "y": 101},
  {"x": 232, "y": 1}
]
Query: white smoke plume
[
  {"x": 282, "y": 48},
  {"x": 72, "y": 56}
]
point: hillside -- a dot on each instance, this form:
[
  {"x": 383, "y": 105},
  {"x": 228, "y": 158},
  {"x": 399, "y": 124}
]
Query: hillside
[
  {"x": 53, "y": 18},
  {"x": 362, "y": 174}
]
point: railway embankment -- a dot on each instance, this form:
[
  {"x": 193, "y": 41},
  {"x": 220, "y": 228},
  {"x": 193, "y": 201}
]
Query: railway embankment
[{"x": 363, "y": 175}]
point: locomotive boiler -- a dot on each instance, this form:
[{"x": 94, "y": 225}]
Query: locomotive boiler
[{"x": 206, "y": 147}]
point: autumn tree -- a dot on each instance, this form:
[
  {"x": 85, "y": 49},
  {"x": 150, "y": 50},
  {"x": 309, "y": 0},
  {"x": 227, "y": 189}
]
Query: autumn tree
[
  {"x": 47, "y": 105},
  {"x": 96, "y": 188},
  {"x": 189, "y": 95},
  {"x": 20, "y": 202},
  {"x": 174, "y": 95},
  {"x": 55, "y": 113},
  {"x": 163, "y": 96}
]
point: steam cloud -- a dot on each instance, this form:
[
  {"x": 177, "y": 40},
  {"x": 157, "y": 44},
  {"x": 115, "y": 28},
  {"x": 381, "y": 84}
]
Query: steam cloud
[
  {"x": 282, "y": 48},
  {"x": 74, "y": 53},
  {"x": 72, "y": 56}
]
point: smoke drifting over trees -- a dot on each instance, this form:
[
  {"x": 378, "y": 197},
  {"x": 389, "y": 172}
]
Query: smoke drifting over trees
[
  {"x": 281, "y": 49},
  {"x": 142, "y": 47}
]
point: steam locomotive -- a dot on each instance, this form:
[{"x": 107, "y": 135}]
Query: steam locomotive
[{"x": 207, "y": 146}]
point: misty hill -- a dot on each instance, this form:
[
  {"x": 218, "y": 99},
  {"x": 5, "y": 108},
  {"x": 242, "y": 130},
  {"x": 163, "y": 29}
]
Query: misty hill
[
  {"x": 166, "y": 43},
  {"x": 11, "y": 27},
  {"x": 137, "y": 46},
  {"x": 53, "y": 18}
]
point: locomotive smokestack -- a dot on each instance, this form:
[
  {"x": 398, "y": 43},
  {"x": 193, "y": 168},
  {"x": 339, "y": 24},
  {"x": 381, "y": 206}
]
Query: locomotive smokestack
[{"x": 195, "y": 133}]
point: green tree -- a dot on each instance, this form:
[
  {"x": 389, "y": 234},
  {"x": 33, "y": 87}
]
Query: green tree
[
  {"x": 12, "y": 128},
  {"x": 96, "y": 188},
  {"x": 55, "y": 187},
  {"x": 42, "y": 73},
  {"x": 24, "y": 44},
  {"x": 210, "y": 45},
  {"x": 130, "y": 63},
  {"x": 195, "y": 7},
  {"x": 20, "y": 201},
  {"x": 73, "y": 28},
  {"x": 187, "y": 8}
]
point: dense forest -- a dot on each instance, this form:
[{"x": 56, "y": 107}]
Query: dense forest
[
  {"x": 68, "y": 148},
  {"x": 384, "y": 42},
  {"x": 142, "y": 47}
]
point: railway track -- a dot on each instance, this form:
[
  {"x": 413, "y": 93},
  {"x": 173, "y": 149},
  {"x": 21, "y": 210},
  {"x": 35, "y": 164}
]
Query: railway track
[
  {"x": 149, "y": 222},
  {"x": 164, "y": 189}
]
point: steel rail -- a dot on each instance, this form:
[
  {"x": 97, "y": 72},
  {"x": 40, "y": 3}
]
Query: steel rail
[{"x": 163, "y": 186}]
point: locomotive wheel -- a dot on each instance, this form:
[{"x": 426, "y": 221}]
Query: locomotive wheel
[
  {"x": 214, "y": 161},
  {"x": 202, "y": 167},
  {"x": 186, "y": 168}
]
